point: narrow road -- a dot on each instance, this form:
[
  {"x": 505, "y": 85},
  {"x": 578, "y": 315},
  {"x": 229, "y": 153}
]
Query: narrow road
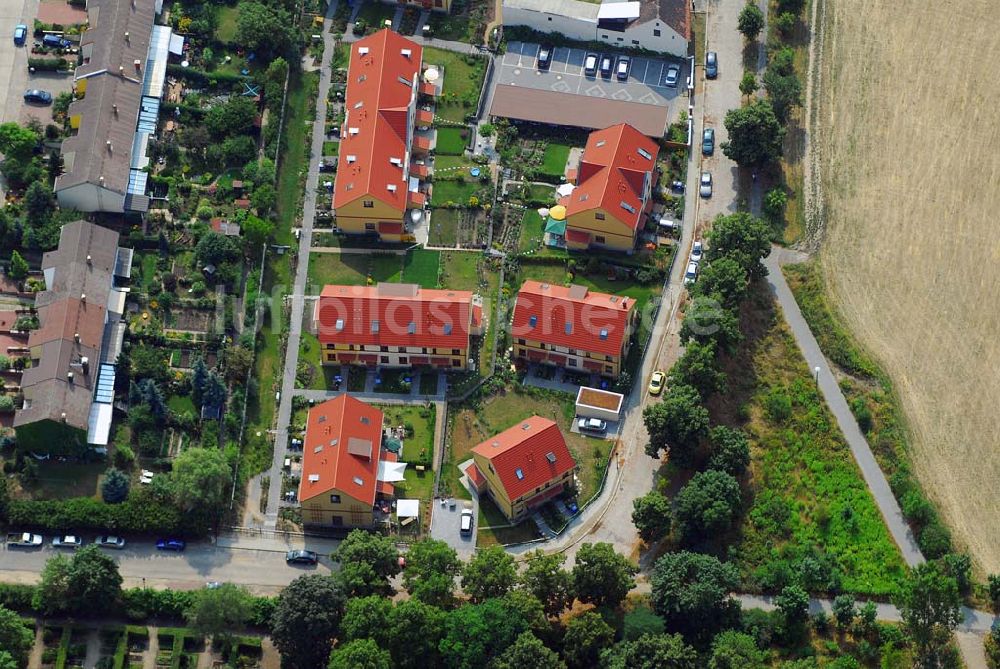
[{"x": 301, "y": 277}]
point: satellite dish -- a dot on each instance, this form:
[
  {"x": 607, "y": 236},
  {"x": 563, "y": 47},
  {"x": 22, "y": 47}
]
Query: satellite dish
[{"x": 416, "y": 215}]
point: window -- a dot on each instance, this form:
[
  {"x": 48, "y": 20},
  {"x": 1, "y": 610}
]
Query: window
[
  {"x": 521, "y": 342},
  {"x": 384, "y": 349},
  {"x": 400, "y": 349},
  {"x": 621, "y": 39},
  {"x": 569, "y": 328},
  {"x": 599, "y": 215},
  {"x": 604, "y": 333},
  {"x": 437, "y": 3},
  {"x": 572, "y": 362},
  {"x": 368, "y": 203},
  {"x": 656, "y": 32},
  {"x": 329, "y": 347},
  {"x": 350, "y": 347},
  {"x": 533, "y": 321},
  {"x": 609, "y": 358},
  {"x": 337, "y": 521},
  {"x": 334, "y": 499},
  {"x": 550, "y": 18},
  {"x": 599, "y": 239},
  {"x": 375, "y": 327},
  {"x": 607, "y": 369},
  {"x": 636, "y": 42},
  {"x": 519, "y": 474},
  {"x": 423, "y": 350},
  {"x": 456, "y": 351},
  {"x": 447, "y": 328},
  {"x": 551, "y": 457},
  {"x": 384, "y": 359},
  {"x": 456, "y": 363},
  {"x": 402, "y": 359}
]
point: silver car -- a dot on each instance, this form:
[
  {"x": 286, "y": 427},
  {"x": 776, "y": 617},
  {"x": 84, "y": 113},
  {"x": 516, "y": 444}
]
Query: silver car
[
  {"x": 691, "y": 275},
  {"x": 705, "y": 190},
  {"x": 673, "y": 74},
  {"x": 592, "y": 425},
  {"x": 109, "y": 541},
  {"x": 67, "y": 541}
]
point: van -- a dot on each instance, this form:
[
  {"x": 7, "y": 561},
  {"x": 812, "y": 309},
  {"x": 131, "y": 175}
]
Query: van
[
  {"x": 465, "y": 524},
  {"x": 55, "y": 42},
  {"x": 590, "y": 64},
  {"x": 606, "y": 65},
  {"x": 624, "y": 62}
]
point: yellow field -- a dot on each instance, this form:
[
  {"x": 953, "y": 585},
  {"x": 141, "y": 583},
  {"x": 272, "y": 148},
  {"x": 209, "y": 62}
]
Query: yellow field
[{"x": 911, "y": 180}]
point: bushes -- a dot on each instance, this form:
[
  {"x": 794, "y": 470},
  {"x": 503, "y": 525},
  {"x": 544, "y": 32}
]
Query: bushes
[
  {"x": 49, "y": 64},
  {"x": 142, "y": 513}
]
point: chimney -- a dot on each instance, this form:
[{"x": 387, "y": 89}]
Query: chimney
[
  {"x": 121, "y": 69},
  {"x": 89, "y": 259},
  {"x": 110, "y": 147},
  {"x": 76, "y": 336},
  {"x": 83, "y": 297},
  {"x": 101, "y": 179},
  {"x": 114, "y": 108},
  {"x": 63, "y": 416},
  {"x": 69, "y": 376},
  {"x": 85, "y": 363},
  {"x": 138, "y": 64},
  {"x": 126, "y": 35}
]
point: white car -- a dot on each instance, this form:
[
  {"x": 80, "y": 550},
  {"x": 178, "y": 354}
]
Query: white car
[
  {"x": 706, "y": 184},
  {"x": 697, "y": 252},
  {"x": 67, "y": 541},
  {"x": 592, "y": 425},
  {"x": 673, "y": 74},
  {"x": 110, "y": 541},
  {"x": 691, "y": 275},
  {"x": 467, "y": 521}
]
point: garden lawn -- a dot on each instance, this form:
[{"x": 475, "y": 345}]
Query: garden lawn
[
  {"x": 418, "y": 449},
  {"x": 459, "y": 270},
  {"x": 451, "y": 28},
  {"x": 351, "y": 269},
  {"x": 444, "y": 165},
  {"x": 180, "y": 404},
  {"x": 421, "y": 267},
  {"x": 444, "y": 227},
  {"x": 311, "y": 352},
  {"x": 463, "y": 81},
  {"x": 456, "y": 191},
  {"x": 450, "y": 142},
  {"x": 227, "y": 17},
  {"x": 554, "y": 160},
  {"x": 147, "y": 269},
  {"x": 808, "y": 495},
  {"x": 542, "y": 193},
  {"x": 532, "y": 231},
  {"x": 302, "y": 89}
]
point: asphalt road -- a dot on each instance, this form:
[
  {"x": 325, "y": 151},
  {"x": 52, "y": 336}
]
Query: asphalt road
[{"x": 14, "y": 59}]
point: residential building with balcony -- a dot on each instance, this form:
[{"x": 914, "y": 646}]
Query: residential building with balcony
[
  {"x": 377, "y": 191},
  {"x": 573, "y": 327},
  {"x": 523, "y": 467},
  {"x": 397, "y": 325}
]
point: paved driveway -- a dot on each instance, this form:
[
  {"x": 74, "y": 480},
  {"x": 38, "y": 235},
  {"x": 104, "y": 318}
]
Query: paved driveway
[
  {"x": 14, "y": 59},
  {"x": 445, "y": 526},
  {"x": 519, "y": 66}
]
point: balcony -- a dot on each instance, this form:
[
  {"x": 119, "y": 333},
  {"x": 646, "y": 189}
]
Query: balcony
[{"x": 425, "y": 117}]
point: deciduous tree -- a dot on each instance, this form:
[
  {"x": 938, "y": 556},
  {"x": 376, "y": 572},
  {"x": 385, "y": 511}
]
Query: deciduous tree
[
  {"x": 477, "y": 633},
  {"x": 545, "y": 578},
  {"x": 219, "y": 612},
  {"x": 416, "y": 630},
  {"x": 784, "y": 91},
  {"x": 698, "y": 367},
  {"x": 18, "y": 269},
  {"x": 748, "y": 84},
  {"x": 233, "y": 117},
  {"x": 360, "y": 654},
  {"x": 750, "y": 21},
  {"x": 735, "y": 650},
  {"x": 528, "y": 652},
  {"x": 429, "y": 575},
  {"x": 601, "y": 576},
  {"x": 490, "y": 573},
  {"x": 706, "y": 319},
  {"x": 201, "y": 478},
  {"x": 691, "y": 593},
  {"x": 707, "y": 505},
  {"x": 755, "y": 134},
  {"x": 661, "y": 651},
  {"x": 265, "y": 29},
  {"x": 730, "y": 450},
  {"x": 743, "y": 238},
  {"x": 844, "y": 611},
  {"x": 367, "y": 562},
  {"x": 587, "y": 635},
  {"x": 257, "y": 230},
  {"x": 651, "y": 516},
  {"x": 931, "y": 608},
  {"x": 305, "y": 621},
  {"x": 676, "y": 425},
  {"x": 15, "y": 637},
  {"x": 726, "y": 278}
]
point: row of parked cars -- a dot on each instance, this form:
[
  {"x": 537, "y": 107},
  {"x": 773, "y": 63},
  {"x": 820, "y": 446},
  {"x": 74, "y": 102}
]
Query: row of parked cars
[{"x": 607, "y": 65}]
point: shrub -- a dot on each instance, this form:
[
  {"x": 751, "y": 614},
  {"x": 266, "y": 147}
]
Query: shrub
[
  {"x": 785, "y": 23},
  {"x": 935, "y": 540},
  {"x": 778, "y": 405}
]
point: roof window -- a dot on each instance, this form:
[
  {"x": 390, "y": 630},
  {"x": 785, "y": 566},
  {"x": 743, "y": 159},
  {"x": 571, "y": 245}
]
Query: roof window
[
  {"x": 313, "y": 478},
  {"x": 359, "y": 104},
  {"x": 391, "y": 188},
  {"x": 533, "y": 321},
  {"x": 645, "y": 154},
  {"x": 569, "y": 328},
  {"x": 403, "y": 80},
  {"x": 340, "y": 324},
  {"x": 519, "y": 474},
  {"x": 411, "y": 328},
  {"x": 600, "y": 143},
  {"x": 627, "y": 207},
  {"x": 321, "y": 419},
  {"x": 374, "y": 327},
  {"x": 318, "y": 449},
  {"x": 604, "y": 333},
  {"x": 352, "y": 131},
  {"x": 351, "y": 158},
  {"x": 365, "y": 420},
  {"x": 362, "y": 51},
  {"x": 447, "y": 328},
  {"x": 398, "y": 162},
  {"x": 405, "y": 53},
  {"x": 551, "y": 457},
  {"x": 357, "y": 480}
]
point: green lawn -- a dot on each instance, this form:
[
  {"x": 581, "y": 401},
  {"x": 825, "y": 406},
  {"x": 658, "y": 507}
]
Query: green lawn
[
  {"x": 459, "y": 270},
  {"x": 180, "y": 404},
  {"x": 450, "y": 142},
  {"x": 351, "y": 269},
  {"x": 311, "y": 352},
  {"x": 457, "y": 191},
  {"x": 331, "y": 148},
  {"x": 417, "y": 450},
  {"x": 463, "y": 81},
  {"x": 292, "y": 169},
  {"x": 227, "y": 17},
  {"x": 64, "y": 480},
  {"x": 532, "y": 231},
  {"x": 448, "y": 164},
  {"x": 147, "y": 269},
  {"x": 444, "y": 227},
  {"x": 554, "y": 160},
  {"x": 421, "y": 267}
]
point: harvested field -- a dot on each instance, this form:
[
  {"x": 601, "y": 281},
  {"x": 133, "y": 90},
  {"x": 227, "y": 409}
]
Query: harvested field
[{"x": 910, "y": 158}]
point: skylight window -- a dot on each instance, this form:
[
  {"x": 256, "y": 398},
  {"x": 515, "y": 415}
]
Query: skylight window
[
  {"x": 584, "y": 197},
  {"x": 359, "y": 104},
  {"x": 374, "y": 327},
  {"x": 340, "y": 324},
  {"x": 318, "y": 449},
  {"x": 404, "y": 80},
  {"x": 447, "y": 328},
  {"x": 357, "y": 479},
  {"x": 551, "y": 457},
  {"x": 365, "y": 420},
  {"x": 533, "y": 321},
  {"x": 411, "y": 328},
  {"x": 391, "y": 187},
  {"x": 353, "y": 131},
  {"x": 362, "y": 51},
  {"x": 569, "y": 328},
  {"x": 604, "y": 333},
  {"x": 351, "y": 158},
  {"x": 627, "y": 207},
  {"x": 519, "y": 474},
  {"x": 645, "y": 154},
  {"x": 600, "y": 143}
]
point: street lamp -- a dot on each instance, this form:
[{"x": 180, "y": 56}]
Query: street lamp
[{"x": 816, "y": 374}]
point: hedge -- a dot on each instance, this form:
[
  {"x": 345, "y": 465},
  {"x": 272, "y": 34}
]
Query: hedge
[
  {"x": 49, "y": 64},
  {"x": 201, "y": 78}
]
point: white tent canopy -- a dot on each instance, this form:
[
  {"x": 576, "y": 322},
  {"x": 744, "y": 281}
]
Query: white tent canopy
[
  {"x": 391, "y": 472},
  {"x": 565, "y": 189},
  {"x": 407, "y": 508}
]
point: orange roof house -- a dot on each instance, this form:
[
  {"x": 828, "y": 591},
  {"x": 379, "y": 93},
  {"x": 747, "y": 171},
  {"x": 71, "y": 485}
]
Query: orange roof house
[
  {"x": 340, "y": 461},
  {"x": 395, "y": 325},
  {"x": 372, "y": 181},
  {"x": 524, "y": 466},
  {"x": 613, "y": 187},
  {"x": 572, "y": 327}
]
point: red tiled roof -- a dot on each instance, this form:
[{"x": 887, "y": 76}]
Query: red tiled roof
[
  {"x": 419, "y": 170},
  {"x": 338, "y": 433},
  {"x": 612, "y": 171},
  {"x": 585, "y": 312},
  {"x": 477, "y": 316},
  {"x": 242, "y": 203},
  {"x": 380, "y": 91},
  {"x": 382, "y": 315},
  {"x": 428, "y": 88},
  {"x": 425, "y": 117},
  {"x": 7, "y": 320},
  {"x": 475, "y": 476},
  {"x": 520, "y": 455}
]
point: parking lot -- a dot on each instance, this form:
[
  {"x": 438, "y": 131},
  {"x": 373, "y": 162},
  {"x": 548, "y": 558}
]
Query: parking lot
[{"x": 565, "y": 74}]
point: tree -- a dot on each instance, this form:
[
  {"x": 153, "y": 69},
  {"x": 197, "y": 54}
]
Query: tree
[
  {"x": 367, "y": 562},
  {"x": 114, "y": 487},
  {"x": 74, "y": 585},
  {"x": 215, "y": 249},
  {"x": 785, "y": 23},
  {"x": 528, "y": 652},
  {"x": 415, "y": 630},
  {"x": 238, "y": 150},
  {"x": 195, "y": 138},
  {"x": 748, "y": 84},
  {"x": 305, "y": 621},
  {"x": 201, "y": 479},
  {"x": 707, "y": 505},
  {"x": 699, "y": 369},
  {"x": 7, "y": 661},
  {"x": 239, "y": 360},
  {"x": 18, "y": 269},
  {"x": 545, "y": 578},
  {"x": 993, "y": 584},
  {"x": 264, "y": 198},
  {"x": 755, "y": 134},
  {"x": 39, "y": 204},
  {"x": 706, "y": 319},
  {"x": 750, "y": 21},
  {"x": 219, "y": 612},
  {"x": 366, "y": 618},
  {"x": 601, "y": 576},
  {"x": 735, "y": 650},
  {"x": 730, "y": 450},
  {"x": 257, "y": 230},
  {"x": 51, "y": 596},
  {"x": 775, "y": 202},
  {"x": 17, "y": 143},
  {"x": 490, "y": 573},
  {"x": 726, "y": 278},
  {"x": 15, "y": 637},
  {"x": 793, "y": 603},
  {"x": 867, "y": 622},
  {"x": 690, "y": 591},
  {"x": 784, "y": 91},
  {"x": 587, "y": 635},
  {"x": 676, "y": 424},
  {"x": 844, "y": 610},
  {"x": 263, "y": 171},
  {"x": 743, "y": 238},
  {"x": 477, "y": 633},
  {"x": 783, "y": 61},
  {"x": 429, "y": 575},
  {"x": 198, "y": 380},
  {"x": 232, "y": 118},
  {"x": 360, "y": 654},
  {"x": 661, "y": 651},
  {"x": 651, "y": 516},
  {"x": 267, "y": 30},
  {"x": 959, "y": 567},
  {"x": 930, "y": 605},
  {"x": 147, "y": 362},
  {"x": 213, "y": 394}
]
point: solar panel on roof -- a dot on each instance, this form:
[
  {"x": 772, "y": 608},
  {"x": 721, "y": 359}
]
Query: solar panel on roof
[{"x": 104, "y": 391}]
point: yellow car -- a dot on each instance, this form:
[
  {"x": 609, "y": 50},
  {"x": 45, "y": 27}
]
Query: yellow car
[{"x": 657, "y": 382}]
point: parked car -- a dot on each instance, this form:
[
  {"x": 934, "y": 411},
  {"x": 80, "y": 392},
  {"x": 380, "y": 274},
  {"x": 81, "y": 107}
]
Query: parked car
[
  {"x": 20, "y": 34},
  {"x": 711, "y": 65},
  {"x": 697, "y": 252},
  {"x": 24, "y": 540},
  {"x": 301, "y": 557},
  {"x": 467, "y": 521},
  {"x": 607, "y": 64},
  {"x": 590, "y": 64},
  {"x": 109, "y": 541},
  {"x": 67, "y": 541},
  {"x": 592, "y": 425},
  {"x": 673, "y": 75},
  {"x": 624, "y": 64},
  {"x": 708, "y": 141},
  {"x": 657, "y": 382},
  {"x": 176, "y": 545},
  {"x": 691, "y": 275},
  {"x": 55, "y": 42},
  {"x": 705, "y": 190},
  {"x": 544, "y": 57},
  {"x": 38, "y": 97}
]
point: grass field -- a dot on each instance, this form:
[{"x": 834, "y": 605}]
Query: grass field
[
  {"x": 421, "y": 267},
  {"x": 460, "y": 270},
  {"x": 454, "y": 190},
  {"x": 351, "y": 269},
  {"x": 463, "y": 81},
  {"x": 444, "y": 227},
  {"x": 226, "y": 30},
  {"x": 910, "y": 252},
  {"x": 808, "y": 495},
  {"x": 450, "y": 141},
  {"x": 532, "y": 231},
  {"x": 554, "y": 160}
]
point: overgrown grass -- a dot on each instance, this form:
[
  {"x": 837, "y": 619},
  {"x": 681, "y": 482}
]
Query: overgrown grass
[
  {"x": 808, "y": 496},
  {"x": 450, "y": 141},
  {"x": 227, "y": 17},
  {"x": 302, "y": 89},
  {"x": 375, "y": 13}
]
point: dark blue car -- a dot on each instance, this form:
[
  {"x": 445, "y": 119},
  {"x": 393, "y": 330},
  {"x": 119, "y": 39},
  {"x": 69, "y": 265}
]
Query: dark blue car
[
  {"x": 176, "y": 545},
  {"x": 20, "y": 34}
]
